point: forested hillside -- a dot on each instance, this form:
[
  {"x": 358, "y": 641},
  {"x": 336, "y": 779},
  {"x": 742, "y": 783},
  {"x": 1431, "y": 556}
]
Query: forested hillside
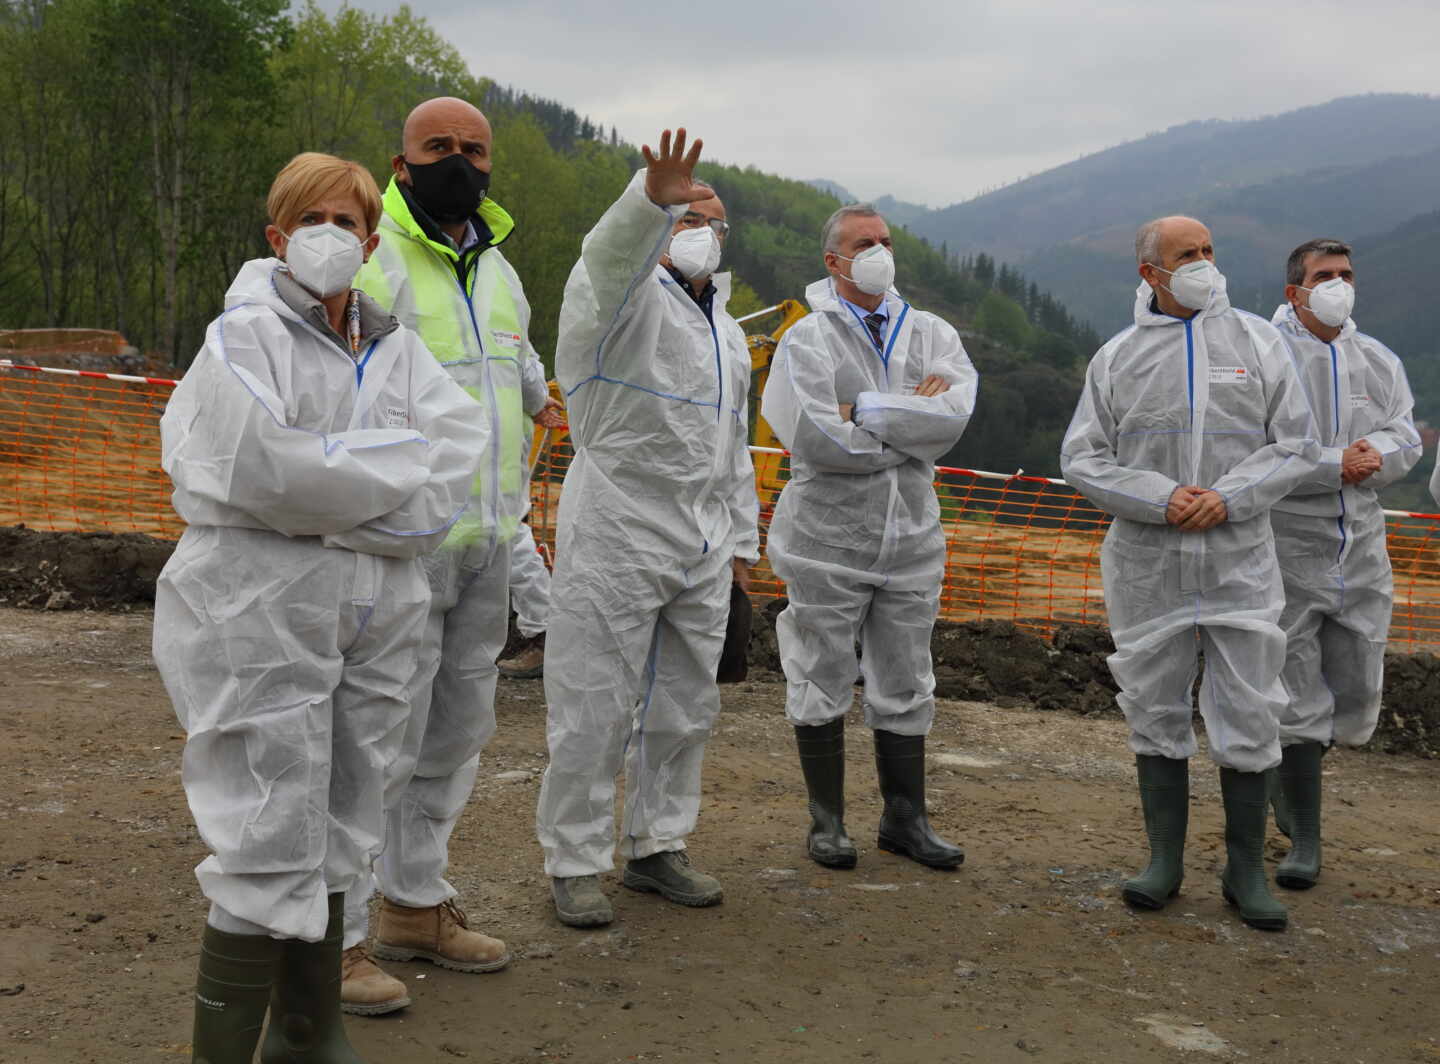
[
  {"x": 140, "y": 137},
  {"x": 1353, "y": 168}
]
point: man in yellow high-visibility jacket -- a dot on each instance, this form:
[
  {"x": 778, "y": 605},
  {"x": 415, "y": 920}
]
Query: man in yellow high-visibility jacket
[{"x": 440, "y": 271}]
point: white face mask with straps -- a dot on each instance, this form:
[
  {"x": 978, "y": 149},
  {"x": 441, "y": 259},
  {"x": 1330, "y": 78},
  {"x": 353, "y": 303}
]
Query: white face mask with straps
[
  {"x": 1193, "y": 283},
  {"x": 1331, "y": 301},
  {"x": 324, "y": 258},
  {"x": 873, "y": 270},
  {"x": 695, "y": 252}
]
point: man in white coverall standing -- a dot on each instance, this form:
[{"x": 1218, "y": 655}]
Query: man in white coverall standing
[
  {"x": 657, "y": 519},
  {"x": 1192, "y": 424},
  {"x": 866, "y": 393},
  {"x": 440, "y": 271},
  {"x": 1330, "y": 538}
]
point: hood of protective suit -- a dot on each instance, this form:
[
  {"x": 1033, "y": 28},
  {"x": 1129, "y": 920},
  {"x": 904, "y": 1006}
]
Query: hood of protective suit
[
  {"x": 1147, "y": 315},
  {"x": 1288, "y": 322},
  {"x": 255, "y": 284}
]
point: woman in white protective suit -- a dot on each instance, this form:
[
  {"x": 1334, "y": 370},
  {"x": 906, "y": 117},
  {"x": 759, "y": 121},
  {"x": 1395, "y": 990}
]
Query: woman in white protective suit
[
  {"x": 317, "y": 449},
  {"x": 866, "y": 393}
]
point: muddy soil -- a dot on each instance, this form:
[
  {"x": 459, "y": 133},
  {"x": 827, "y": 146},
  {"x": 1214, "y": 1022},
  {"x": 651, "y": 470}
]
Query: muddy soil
[{"x": 1025, "y": 953}]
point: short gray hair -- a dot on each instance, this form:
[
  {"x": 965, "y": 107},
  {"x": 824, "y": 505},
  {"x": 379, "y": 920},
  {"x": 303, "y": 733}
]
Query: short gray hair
[
  {"x": 1298, "y": 264},
  {"x": 830, "y": 232},
  {"x": 1147, "y": 242}
]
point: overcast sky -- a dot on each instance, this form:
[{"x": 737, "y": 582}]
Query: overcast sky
[{"x": 934, "y": 102}]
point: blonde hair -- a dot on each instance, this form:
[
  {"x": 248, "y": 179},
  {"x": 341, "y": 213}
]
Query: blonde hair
[{"x": 313, "y": 176}]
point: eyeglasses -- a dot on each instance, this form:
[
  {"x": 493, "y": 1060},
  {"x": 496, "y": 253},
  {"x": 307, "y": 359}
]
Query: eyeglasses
[{"x": 694, "y": 220}]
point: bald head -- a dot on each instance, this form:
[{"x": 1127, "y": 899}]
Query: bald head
[
  {"x": 440, "y": 127},
  {"x": 1157, "y": 239}
]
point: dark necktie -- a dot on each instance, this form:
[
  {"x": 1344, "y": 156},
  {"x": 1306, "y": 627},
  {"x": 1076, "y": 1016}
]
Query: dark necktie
[{"x": 875, "y": 323}]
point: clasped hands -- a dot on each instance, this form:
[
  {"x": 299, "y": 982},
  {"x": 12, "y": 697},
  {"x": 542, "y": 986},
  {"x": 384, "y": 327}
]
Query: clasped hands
[
  {"x": 1359, "y": 461},
  {"x": 931, "y": 386},
  {"x": 1193, "y": 509}
]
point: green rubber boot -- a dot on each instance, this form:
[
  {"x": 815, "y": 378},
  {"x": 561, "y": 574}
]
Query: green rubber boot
[
  {"x": 305, "y": 1024},
  {"x": 822, "y": 760},
  {"x": 1244, "y": 882},
  {"x": 1165, "y": 799},
  {"x": 1277, "y": 800},
  {"x": 1300, "y": 779},
  {"x": 232, "y": 993}
]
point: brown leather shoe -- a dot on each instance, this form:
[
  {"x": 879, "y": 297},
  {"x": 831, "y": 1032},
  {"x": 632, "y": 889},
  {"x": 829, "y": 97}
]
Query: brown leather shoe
[
  {"x": 365, "y": 988},
  {"x": 527, "y": 662},
  {"x": 438, "y": 934}
]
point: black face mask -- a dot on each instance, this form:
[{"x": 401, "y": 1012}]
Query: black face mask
[{"x": 450, "y": 190}]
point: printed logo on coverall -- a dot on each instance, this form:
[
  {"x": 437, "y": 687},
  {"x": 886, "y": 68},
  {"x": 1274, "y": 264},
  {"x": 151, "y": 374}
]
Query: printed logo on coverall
[
  {"x": 396, "y": 417},
  {"x": 505, "y": 338},
  {"x": 1229, "y": 374},
  {"x": 1359, "y": 400}
]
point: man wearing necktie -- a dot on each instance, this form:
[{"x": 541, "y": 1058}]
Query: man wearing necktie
[{"x": 866, "y": 393}]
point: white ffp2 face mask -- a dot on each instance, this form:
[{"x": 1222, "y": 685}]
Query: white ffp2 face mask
[
  {"x": 1193, "y": 283},
  {"x": 695, "y": 252},
  {"x": 1331, "y": 301},
  {"x": 873, "y": 270},
  {"x": 324, "y": 258}
]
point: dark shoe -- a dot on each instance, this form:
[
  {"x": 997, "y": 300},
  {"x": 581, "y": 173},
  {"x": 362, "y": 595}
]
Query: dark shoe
[
  {"x": 527, "y": 661},
  {"x": 1165, "y": 800},
  {"x": 904, "y": 826},
  {"x": 822, "y": 761},
  {"x": 1244, "y": 882},
  {"x": 1300, "y": 781},
  {"x": 669, "y": 874},
  {"x": 232, "y": 994},
  {"x": 1277, "y": 800},
  {"x": 305, "y": 1020},
  {"x": 580, "y": 902}
]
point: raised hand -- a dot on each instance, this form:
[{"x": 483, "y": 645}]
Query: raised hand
[{"x": 670, "y": 176}]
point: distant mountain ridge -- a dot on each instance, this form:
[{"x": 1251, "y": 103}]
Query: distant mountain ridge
[
  {"x": 896, "y": 212},
  {"x": 1356, "y": 168}
]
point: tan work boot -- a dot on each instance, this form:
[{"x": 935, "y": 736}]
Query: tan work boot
[
  {"x": 438, "y": 934},
  {"x": 365, "y": 988},
  {"x": 527, "y": 662}
]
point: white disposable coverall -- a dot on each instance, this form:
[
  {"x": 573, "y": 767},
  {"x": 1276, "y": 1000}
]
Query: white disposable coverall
[
  {"x": 856, "y": 534},
  {"x": 1212, "y": 401},
  {"x": 481, "y": 338},
  {"x": 659, "y": 498},
  {"x": 529, "y": 575},
  {"x": 1330, "y": 536},
  {"x": 288, "y": 617}
]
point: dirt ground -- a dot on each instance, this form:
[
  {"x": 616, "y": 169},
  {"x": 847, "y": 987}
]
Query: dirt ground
[{"x": 1025, "y": 953}]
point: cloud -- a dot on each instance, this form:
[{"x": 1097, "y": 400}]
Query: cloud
[{"x": 935, "y": 103}]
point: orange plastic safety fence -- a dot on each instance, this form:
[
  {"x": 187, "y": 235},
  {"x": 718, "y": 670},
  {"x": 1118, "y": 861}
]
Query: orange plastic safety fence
[{"x": 81, "y": 452}]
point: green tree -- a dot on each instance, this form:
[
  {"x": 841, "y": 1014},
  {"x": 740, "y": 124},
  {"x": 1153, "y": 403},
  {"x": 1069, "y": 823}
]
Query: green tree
[{"x": 1001, "y": 318}]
